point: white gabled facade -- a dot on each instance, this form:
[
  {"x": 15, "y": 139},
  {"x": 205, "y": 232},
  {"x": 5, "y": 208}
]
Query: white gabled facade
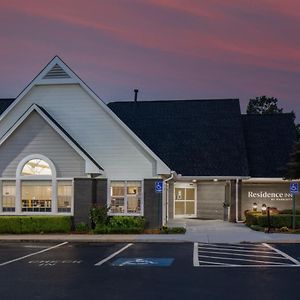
[
  {"x": 63, "y": 149},
  {"x": 89, "y": 121}
]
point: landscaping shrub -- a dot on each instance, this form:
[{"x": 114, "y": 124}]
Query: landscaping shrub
[
  {"x": 288, "y": 212},
  {"x": 98, "y": 215},
  {"x": 173, "y": 230},
  {"x": 276, "y": 221},
  {"x": 10, "y": 224},
  {"x": 126, "y": 222},
  {"x": 35, "y": 224},
  {"x": 121, "y": 224},
  {"x": 82, "y": 227},
  {"x": 251, "y": 217}
]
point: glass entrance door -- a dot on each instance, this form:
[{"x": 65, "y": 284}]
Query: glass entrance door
[{"x": 185, "y": 200}]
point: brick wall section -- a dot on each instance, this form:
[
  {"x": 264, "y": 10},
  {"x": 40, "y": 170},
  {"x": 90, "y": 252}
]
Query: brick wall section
[
  {"x": 83, "y": 198},
  {"x": 152, "y": 204},
  {"x": 101, "y": 191}
]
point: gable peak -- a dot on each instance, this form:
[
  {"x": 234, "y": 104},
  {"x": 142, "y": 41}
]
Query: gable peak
[{"x": 56, "y": 72}]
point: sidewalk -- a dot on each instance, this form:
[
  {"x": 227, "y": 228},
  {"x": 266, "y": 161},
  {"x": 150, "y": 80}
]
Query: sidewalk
[{"x": 197, "y": 231}]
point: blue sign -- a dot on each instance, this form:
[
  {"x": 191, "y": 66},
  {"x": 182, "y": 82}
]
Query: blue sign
[
  {"x": 294, "y": 187},
  {"x": 158, "y": 186},
  {"x": 144, "y": 262}
]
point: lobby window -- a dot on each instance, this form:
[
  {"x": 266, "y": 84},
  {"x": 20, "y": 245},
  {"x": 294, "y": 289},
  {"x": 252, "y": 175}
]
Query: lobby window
[
  {"x": 8, "y": 196},
  {"x": 64, "y": 196},
  {"x": 36, "y": 196},
  {"x": 126, "y": 197}
]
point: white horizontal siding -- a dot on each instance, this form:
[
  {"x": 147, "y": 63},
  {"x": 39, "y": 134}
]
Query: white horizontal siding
[
  {"x": 119, "y": 155},
  {"x": 35, "y": 136}
]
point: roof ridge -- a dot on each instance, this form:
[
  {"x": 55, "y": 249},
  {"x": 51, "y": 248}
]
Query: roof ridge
[{"x": 175, "y": 100}]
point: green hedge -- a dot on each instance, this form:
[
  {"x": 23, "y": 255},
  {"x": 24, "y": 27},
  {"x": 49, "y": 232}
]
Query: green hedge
[
  {"x": 121, "y": 224},
  {"x": 276, "y": 221},
  {"x": 35, "y": 224},
  {"x": 289, "y": 212},
  {"x": 173, "y": 230}
]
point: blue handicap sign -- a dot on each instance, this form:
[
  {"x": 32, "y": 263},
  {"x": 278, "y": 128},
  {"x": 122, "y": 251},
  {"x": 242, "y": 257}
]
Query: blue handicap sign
[
  {"x": 158, "y": 186},
  {"x": 143, "y": 261},
  {"x": 294, "y": 187}
]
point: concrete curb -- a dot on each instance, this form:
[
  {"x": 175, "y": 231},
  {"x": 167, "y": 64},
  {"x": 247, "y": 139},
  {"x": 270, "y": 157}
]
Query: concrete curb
[{"x": 174, "y": 238}]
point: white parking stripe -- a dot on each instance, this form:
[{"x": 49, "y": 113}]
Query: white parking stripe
[
  {"x": 243, "y": 254},
  {"x": 236, "y": 250},
  {"x": 248, "y": 266},
  {"x": 241, "y": 259},
  {"x": 32, "y": 254},
  {"x": 232, "y": 245},
  {"x": 195, "y": 255},
  {"x": 295, "y": 261},
  {"x": 101, "y": 262},
  {"x": 216, "y": 263},
  {"x": 258, "y": 247}
]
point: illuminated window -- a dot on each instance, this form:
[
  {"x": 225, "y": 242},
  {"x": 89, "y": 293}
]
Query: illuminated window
[
  {"x": 36, "y": 196},
  {"x": 126, "y": 197},
  {"x": 64, "y": 196},
  {"x": 8, "y": 196},
  {"x": 36, "y": 167}
]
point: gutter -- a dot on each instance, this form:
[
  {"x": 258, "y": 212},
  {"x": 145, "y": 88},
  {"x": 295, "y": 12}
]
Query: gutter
[
  {"x": 166, "y": 184},
  {"x": 237, "y": 202}
]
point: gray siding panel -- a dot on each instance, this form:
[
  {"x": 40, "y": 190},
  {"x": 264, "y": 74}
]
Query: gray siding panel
[
  {"x": 210, "y": 199},
  {"x": 36, "y": 136}
]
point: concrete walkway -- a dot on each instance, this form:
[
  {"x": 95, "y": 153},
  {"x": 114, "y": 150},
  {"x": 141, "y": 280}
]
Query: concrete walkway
[
  {"x": 217, "y": 231},
  {"x": 212, "y": 231}
]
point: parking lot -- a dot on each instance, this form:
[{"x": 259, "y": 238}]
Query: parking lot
[{"x": 35, "y": 270}]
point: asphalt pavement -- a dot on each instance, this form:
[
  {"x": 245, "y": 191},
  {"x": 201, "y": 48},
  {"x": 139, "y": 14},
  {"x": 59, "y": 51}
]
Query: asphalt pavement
[{"x": 65, "y": 270}]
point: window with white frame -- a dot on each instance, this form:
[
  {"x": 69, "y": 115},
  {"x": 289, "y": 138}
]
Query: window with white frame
[
  {"x": 36, "y": 195},
  {"x": 36, "y": 167},
  {"x": 36, "y": 189},
  {"x": 64, "y": 195},
  {"x": 8, "y": 196},
  {"x": 125, "y": 198}
]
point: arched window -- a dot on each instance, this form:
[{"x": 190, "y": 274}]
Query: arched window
[
  {"x": 36, "y": 189},
  {"x": 36, "y": 167},
  {"x": 37, "y": 184}
]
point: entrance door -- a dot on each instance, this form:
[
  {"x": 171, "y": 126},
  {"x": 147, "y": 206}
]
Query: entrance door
[{"x": 185, "y": 200}]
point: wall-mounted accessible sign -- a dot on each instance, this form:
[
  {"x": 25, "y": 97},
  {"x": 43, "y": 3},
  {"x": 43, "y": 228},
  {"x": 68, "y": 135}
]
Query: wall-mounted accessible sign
[
  {"x": 294, "y": 187},
  {"x": 158, "y": 186}
]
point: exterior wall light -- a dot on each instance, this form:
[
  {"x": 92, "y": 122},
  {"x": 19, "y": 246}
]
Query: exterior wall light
[
  {"x": 194, "y": 180},
  {"x": 263, "y": 208},
  {"x": 215, "y": 180},
  {"x": 254, "y": 206}
]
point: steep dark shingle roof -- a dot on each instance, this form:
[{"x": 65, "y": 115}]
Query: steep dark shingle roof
[
  {"x": 5, "y": 103},
  {"x": 193, "y": 137},
  {"x": 269, "y": 141}
]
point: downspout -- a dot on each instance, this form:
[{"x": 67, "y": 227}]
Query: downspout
[
  {"x": 166, "y": 184},
  {"x": 237, "y": 201}
]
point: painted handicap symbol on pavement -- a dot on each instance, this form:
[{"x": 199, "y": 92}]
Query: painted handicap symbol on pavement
[{"x": 147, "y": 262}]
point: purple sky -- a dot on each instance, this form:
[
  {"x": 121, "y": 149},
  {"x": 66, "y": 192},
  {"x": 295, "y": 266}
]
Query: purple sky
[{"x": 169, "y": 49}]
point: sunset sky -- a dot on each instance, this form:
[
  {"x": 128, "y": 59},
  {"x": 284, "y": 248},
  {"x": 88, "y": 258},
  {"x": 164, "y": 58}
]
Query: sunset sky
[{"x": 169, "y": 49}]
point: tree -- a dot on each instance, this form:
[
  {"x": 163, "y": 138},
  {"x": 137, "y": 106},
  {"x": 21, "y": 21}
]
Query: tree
[
  {"x": 268, "y": 105},
  {"x": 263, "y": 105},
  {"x": 293, "y": 166}
]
